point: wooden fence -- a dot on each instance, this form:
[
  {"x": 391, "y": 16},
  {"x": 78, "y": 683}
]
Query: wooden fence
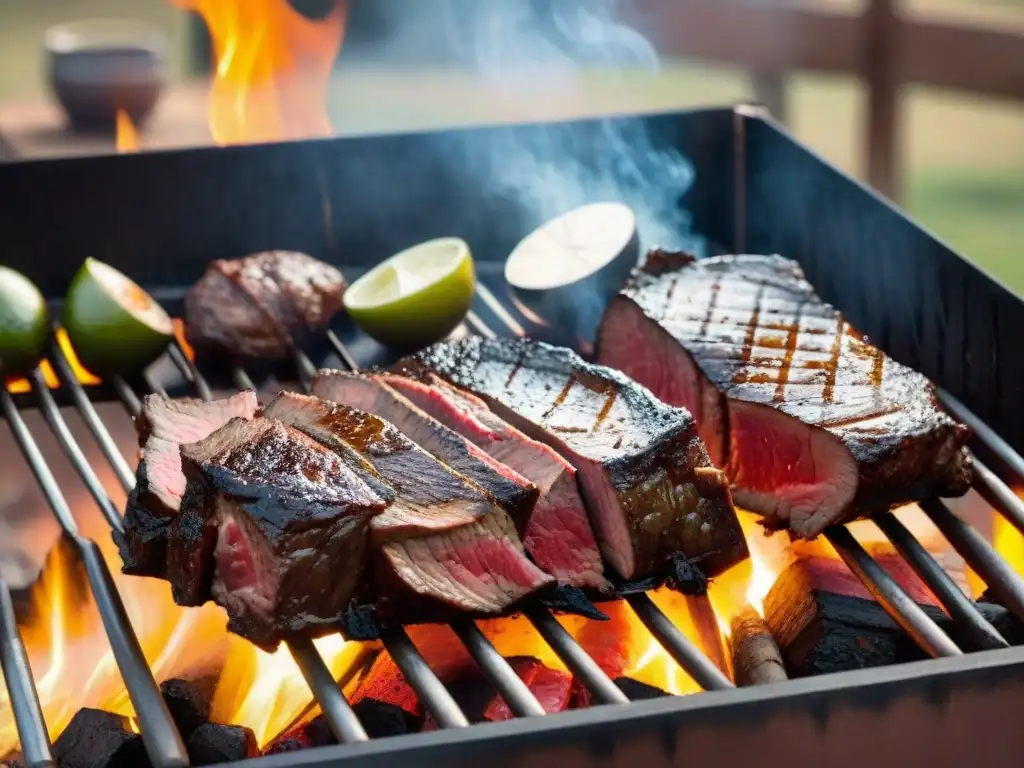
[{"x": 769, "y": 38}]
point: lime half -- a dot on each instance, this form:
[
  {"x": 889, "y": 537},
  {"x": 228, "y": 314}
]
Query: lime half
[
  {"x": 24, "y": 324},
  {"x": 416, "y": 297},
  {"x": 114, "y": 326}
]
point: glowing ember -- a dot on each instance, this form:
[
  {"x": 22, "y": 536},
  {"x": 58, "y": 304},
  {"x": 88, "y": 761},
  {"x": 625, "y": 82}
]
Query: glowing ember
[
  {"x": 272, "y": 68},
  {"x": 127, "y": 137}
]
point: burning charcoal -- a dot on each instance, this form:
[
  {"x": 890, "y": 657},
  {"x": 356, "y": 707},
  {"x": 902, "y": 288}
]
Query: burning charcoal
[
  {"x": 384, "y": 683},
  {"x": 637, "y": 691},
  {"x": 382, "y": 720},
  {"x": 552, "y": 688},
  {"x": 825, "y": 620},
  {"x": 211, "y": 743},
  {"x": 315, "y": 733},
  {"x": 97, "y": 739},
  {"x": 188, "y": 702}
]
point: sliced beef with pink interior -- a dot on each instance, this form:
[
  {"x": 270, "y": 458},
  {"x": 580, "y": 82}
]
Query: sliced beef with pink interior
[
  {"x": 814, "y": 425},
  {"x": 558, "y": 535},
  {"x": 429, "y": 495},
  {"x": 515, "y": 493},
  {"x": 164, "y": 424},
  {"x": 274, "y": 527},
  {"x": 650, "y": 488},
  {"x": 479, "y": 569}
]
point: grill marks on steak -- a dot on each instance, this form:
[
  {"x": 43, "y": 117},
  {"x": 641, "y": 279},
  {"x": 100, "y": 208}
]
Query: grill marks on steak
[
  {"x": 429, "y": 496},
  {"x": 273, "y": 526},
  {"x": 815, "y": 425},
  {"x": 644, "y": 473},
  {"x": 515, "y": 493},
  {"x": 164, "y": 424},
  {"x": 558, "y": 535},
  {"x": 255, "y": 306}
]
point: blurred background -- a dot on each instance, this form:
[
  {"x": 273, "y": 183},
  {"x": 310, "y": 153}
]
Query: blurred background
[{"x": 924, "y": 99}]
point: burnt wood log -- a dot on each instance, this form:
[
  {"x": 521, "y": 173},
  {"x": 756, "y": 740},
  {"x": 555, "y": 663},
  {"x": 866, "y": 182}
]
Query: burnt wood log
[
  {"x": 98, "y": 739},
  {"x": 825, "y": 620},
  {"x": 756, "y": 658},
  {"x": 211, "y": 744}
]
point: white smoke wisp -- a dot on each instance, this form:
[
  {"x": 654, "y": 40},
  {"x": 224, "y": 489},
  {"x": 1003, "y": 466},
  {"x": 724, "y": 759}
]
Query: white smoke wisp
[{"x": 549, "y": 44}]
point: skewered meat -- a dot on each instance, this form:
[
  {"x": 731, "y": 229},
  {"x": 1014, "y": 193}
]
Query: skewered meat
[
  {"x": 558, "y": 535},
  {"x": 273, "y": 526},
  {"x": 255, "y": 307},
  {"x": 429, "y": 496},
  {"x": 814, "y": 425},
  {"x": 645, "y": 475},
  {"x": 515, "y": 493},
  {"x": 164, "y": 424}
]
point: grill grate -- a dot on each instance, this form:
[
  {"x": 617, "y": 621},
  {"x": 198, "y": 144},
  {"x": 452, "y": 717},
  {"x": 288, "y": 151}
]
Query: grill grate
[{"x": 162, "y": 741}]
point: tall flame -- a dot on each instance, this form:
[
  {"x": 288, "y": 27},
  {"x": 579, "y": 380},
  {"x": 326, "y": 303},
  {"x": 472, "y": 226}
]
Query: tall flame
[
  {"x": 127, "y": 137},
  {"x": 272, "y": 68}
]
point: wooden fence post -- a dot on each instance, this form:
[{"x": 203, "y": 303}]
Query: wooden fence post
[{"x": 879, "y": 69}]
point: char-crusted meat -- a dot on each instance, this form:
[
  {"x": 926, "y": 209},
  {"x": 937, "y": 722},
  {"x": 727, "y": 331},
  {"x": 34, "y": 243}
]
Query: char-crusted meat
[
  {"x": 429, "y": 496},
  {"x": 650, "y": 488},
  {"x": 558, "y": 535},
  {"x": 256, "y": 306},
  {"x": 164, "y": 424},
  {"x": 370, "y": 393},
  {"x": 814, "y": 425},
  {"x": 479, "y": 569},
  {"x": 273, "y": 526}
]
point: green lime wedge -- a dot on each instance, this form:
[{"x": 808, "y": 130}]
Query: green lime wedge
[
  {"x": 416, "y": 297},
  {"x": 114, "y": 326},
  {"x": 24, "y": 324}
]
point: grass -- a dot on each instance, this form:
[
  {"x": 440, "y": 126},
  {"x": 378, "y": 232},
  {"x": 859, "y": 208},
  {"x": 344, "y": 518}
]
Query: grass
[{"x": 963, "y": 161}]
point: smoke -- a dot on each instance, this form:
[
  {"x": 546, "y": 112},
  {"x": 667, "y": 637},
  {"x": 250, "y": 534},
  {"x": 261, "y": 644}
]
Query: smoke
[{"x": 549, "y": 46}]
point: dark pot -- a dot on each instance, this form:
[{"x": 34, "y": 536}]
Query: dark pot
[{"x": 97, "y": 67}]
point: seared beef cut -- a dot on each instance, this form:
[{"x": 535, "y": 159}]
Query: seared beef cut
[
  {"x": 814, "y": 425},
  {"x": 651, "y": 491},
  {"x": 254, "y": 307},
  {"x": 429, "y": 496},
  {"x": 164, "y": 424},
  {"x": 273, "y": 526},
  {"x": 479, "y": 569},
  {"x": 369, "y": 393},
  {"x": 558, "y": 536}
]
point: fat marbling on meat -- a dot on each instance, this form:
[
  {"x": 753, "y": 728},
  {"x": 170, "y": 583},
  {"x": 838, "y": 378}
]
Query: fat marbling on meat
[
  {"x": 814, "y": 425},
  {"x": 649, "y": 486}
]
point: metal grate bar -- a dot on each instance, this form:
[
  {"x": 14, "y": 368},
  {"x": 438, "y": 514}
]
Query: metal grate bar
[
  {"x": 340, "y": 717},
  {"x": 305, "y": 367},
  {"x": 1004, "y": 582},
  {"x": 985, "y": 434},
  {"x": 127, "y": 396},
  {"x": 515, "y": 692},
  {"x": 189, "y": 370},
  {"x": 21, "y": 689},
  {"x": 495, "y": 305},
  {"x": 897, "y": 603},
  {"x": 998, "y": 494},
  {"x": 162, "y": 741},
  {"x": 341, "y": 350},
  {"x": 479, "y": 326},
  {"x": 242, "y": 379},
  {"x": 574, "y": 657},
  {"x": 959, "y": 606},
  {"x": 704, "y": 672},
  {"x": 51, "y": 413},
  {"x": 421, "y": 678},
  {"x": 85, "y": 408}
]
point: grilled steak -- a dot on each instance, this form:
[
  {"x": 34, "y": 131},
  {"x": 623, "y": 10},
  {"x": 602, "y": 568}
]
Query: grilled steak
[
  {"x": 515, "y": 493},
  {"x": 558, "y": 536},
  {"x": 429, "y": 496},
  {"x": 644, "y": 473},
  {"x": 273, "y": 526},
  {"x": 480, "y": 569},
  {"x": 254, "y": 307},
  {"x": 814, "y": 425},
  {"x": 164, "y": 424}
]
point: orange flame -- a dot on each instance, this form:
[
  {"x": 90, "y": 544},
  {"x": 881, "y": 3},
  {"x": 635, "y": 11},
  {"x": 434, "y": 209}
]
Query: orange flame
[
  {"x": 127, "y": 136},
  {"x": 17, "y": 386},
  {"x": 273, "y": 66}
]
